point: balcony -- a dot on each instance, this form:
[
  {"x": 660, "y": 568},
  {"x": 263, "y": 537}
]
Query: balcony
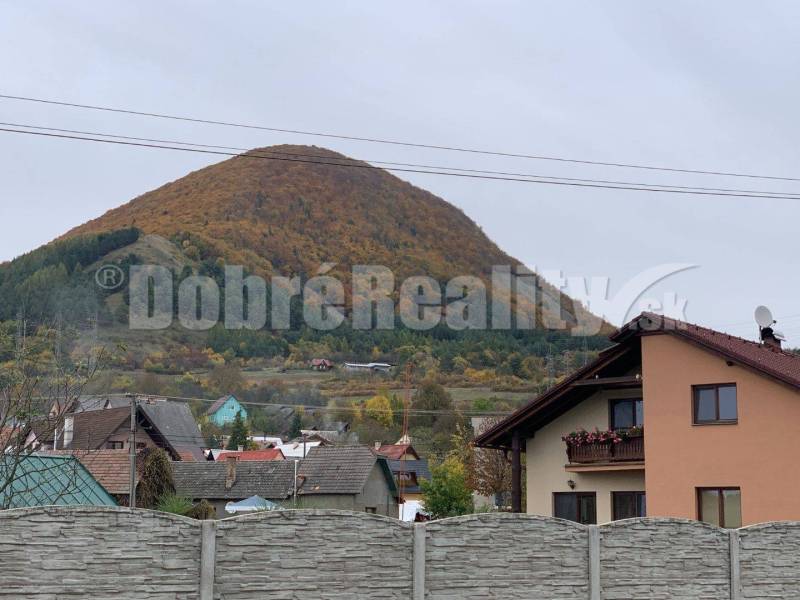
[{"x": 625, "y": 455}]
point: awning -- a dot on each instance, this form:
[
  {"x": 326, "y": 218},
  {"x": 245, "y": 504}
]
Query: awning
[{"x": 252, "y": 504}]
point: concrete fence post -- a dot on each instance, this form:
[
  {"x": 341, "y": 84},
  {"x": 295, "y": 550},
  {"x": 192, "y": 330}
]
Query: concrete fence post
[
  {"x": 594, "y": 562},
  {"x": 736, "y": 567},
  {"x": 418, "y": 565},
  {"x": 208, "y": 558}
]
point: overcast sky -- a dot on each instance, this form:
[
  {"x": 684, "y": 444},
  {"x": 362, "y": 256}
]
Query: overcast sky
[{"x": 711, "y": 85}]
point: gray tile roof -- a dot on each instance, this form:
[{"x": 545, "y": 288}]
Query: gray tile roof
[
  {"x": 339, "y": 469},
  {"x": 336, "y": 470},
  {"x": 174, "y": 421},
  {"x": 272, "y": 480},
  {"x": 419, "y": 468}
]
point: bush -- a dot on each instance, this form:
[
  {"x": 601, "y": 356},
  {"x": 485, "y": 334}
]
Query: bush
[
  {"x": 174, "y": 504},
  {"x": 202, "y": 511}
]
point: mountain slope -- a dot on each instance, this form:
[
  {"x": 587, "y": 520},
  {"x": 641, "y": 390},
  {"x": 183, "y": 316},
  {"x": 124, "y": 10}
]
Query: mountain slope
[
  {"x": 281, "y": 216},
  {"x": 289, "y": 217}
]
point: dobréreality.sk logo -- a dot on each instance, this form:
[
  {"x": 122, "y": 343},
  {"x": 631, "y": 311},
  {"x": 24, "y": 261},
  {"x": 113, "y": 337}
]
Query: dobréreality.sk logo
[{"x": 518, "y": 298}]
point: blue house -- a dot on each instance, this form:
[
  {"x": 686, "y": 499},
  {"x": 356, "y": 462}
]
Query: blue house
[{"x": 224, "y": 410}]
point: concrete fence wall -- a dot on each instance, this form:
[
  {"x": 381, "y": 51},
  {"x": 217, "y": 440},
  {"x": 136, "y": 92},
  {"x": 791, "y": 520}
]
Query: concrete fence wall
[{"x": 85, "y": 552}]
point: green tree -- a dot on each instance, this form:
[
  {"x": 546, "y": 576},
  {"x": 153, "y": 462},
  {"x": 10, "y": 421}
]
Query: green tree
[
  {"x": 240, "y": 434},
  {"x": 297, "y": 425},
  {"x": 446, "y": 494},
  {"x": 435, "y": 401}
]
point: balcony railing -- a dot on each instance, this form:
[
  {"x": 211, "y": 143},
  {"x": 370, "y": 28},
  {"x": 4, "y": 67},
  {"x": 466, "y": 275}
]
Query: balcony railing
[{"x": 631, "y": 449}]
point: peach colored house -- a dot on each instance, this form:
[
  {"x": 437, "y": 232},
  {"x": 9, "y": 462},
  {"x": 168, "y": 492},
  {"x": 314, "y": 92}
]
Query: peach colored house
[{"x": 673, "y": 420}]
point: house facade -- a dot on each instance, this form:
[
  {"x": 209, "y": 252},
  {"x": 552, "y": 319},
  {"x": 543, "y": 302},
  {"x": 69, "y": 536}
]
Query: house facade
[
  {"x": 225, "y": 409},
  {"x": 158, "y": 423},
  {"x": 674, "y": 420}
]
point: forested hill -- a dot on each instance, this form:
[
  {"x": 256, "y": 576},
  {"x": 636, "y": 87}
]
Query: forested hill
[
  {"x": 278, "y": 216},
  {"x": 275, "y": 210}
]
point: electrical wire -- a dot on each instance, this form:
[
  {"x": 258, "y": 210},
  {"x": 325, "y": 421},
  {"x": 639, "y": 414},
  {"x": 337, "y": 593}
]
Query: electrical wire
[
  {"x": 393, "y": 142},
  {"x": 399, "y": 164},
  {"x": 770, "y": 196}
]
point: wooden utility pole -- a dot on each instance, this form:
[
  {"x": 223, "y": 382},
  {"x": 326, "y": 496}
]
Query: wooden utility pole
[{"x": 132, "y": 454}]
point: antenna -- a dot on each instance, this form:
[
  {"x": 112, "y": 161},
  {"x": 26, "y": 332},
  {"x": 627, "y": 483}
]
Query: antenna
[{"x": 764, "y": 317}]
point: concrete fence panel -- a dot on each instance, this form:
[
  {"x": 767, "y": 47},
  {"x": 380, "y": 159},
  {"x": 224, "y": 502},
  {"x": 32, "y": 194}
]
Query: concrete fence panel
[
  {"x": 769, "y": 556},
  {"x": 318, "y": 554},
  {"x": 664, "y": 559},
  {"x": 506, "y": 556},
  {"x": 91, "y": 552},
  {"x": 63, "y": 553}
]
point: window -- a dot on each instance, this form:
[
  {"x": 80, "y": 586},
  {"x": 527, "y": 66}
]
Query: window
[
  {"x": 626, "y": 413},
  {"x": 370, "y": 509},
  {"x": 575, "y": 506},
  {"x": 714, "y": 404},
  {"x": 628, "y": 505},
  {"x": 720, "y": 506},
  {"x": 115, "y": 445}
]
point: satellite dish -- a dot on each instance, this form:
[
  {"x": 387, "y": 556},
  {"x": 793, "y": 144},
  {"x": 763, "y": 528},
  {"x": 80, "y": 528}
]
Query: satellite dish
[{"x": 764, "y": 317}]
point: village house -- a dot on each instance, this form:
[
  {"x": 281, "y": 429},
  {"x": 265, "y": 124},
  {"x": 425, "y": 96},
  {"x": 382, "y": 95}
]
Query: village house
[
  {"x": 408, "y": 469},
  {"x": 159, "y": 423},
  {"x": 334, "y": 477},
  {"x": 39, "y": 480},
  {"x": 321, "y": 364},
  {"x": 246, "y": 455},
  {"x": 225, "y": 409},
  {"x": 691, "y": 423},
  {"x": 110, "y": 468}
]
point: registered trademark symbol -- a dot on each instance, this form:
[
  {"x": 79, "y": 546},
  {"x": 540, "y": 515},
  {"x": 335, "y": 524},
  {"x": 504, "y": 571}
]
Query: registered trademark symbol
[{"x": 109, "y": 277}]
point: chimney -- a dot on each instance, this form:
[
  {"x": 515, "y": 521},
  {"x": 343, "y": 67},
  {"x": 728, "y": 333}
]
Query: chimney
[
  {"x": 771, "y": 338},
  {"x": 230, "y": 474}
]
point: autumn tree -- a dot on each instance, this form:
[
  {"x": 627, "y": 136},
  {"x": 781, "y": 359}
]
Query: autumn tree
[
  {"x": 491, "y": 468},
  {"x": 39, "y": 384},
  {"x": 446, "y": 494},
  {"x": 226, "y": 379},
  {"x": 379, "y": 408}
]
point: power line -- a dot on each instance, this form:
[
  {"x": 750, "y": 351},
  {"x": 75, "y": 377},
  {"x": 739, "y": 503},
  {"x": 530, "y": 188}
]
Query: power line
[
  {"x": 638, "y": 188},
  {"x": 399, "y": 164},
  {"x": 306, "y": 407},
  {"x": 394, "y": 142}
]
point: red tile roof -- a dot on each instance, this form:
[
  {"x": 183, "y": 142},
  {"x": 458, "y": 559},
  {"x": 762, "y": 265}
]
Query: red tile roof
[
  {"x": 396, "y": 451},
  {"x": 111, "y": 468},
  {"x": 268, "y": 454},
  {"x": 769, "y": 360},
  {"x": 218, "y": 403}
]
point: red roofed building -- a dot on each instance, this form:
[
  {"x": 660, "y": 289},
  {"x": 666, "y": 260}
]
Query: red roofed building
[
  {"x": 673, "y": 420},
  {"x": 398, "y": 451},
  {"x": 268, "y": 454}
]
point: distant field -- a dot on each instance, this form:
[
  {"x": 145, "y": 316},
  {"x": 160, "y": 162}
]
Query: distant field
[
  {"x": 463, "y": 397},
  {"x": 288, "y": 377}
]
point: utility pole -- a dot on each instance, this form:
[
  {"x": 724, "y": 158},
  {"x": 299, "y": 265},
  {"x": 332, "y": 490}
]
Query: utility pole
[
  {"x": 294, "y": 495},
  {"x": 132, "y": 454}
]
